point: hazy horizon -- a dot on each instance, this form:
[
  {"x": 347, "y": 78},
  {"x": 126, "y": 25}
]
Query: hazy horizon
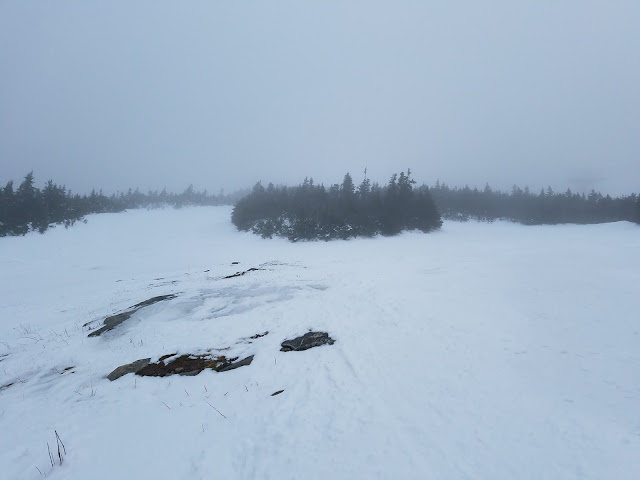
[
  {"x": 40, "y": 182},
  {"x": 121, "y": 95}
]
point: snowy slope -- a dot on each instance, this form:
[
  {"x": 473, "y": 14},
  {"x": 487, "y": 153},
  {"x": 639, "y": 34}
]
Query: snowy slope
[{"x": 479, "y": 352}]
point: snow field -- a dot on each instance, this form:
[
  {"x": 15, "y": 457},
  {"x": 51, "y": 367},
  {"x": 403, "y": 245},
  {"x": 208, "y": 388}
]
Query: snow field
[{"x": 483, "y": 351}]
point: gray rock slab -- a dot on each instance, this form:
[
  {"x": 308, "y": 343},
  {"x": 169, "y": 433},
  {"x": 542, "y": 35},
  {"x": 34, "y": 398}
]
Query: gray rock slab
[
  {"x": 128, "y": 368},
  {"x": 114, "y": 320},
  {"x": 306, "y": 341}
]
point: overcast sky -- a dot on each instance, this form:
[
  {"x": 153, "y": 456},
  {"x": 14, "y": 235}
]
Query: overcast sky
[{"x": 221, "y": 94}]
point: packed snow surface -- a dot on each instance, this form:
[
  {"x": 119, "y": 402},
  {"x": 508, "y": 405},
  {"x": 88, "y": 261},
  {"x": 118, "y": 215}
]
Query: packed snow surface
[{"x": 483, "y": 351}]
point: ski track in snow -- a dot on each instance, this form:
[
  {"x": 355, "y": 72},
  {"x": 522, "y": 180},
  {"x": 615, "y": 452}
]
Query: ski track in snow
[{"x": 483, "y": 351}]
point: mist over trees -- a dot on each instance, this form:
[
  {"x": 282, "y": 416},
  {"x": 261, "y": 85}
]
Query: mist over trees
[
  {"x": 313, "y": 212},
  {"x": 534, "y": 208},
  {"x": 310, "y": 211},
  {"x": 28, "y": 208}
]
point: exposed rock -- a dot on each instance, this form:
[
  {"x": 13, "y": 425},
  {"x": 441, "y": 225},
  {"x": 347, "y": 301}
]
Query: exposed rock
[
  {"x": 307, "y": 341},
  {"x": 239, "y": 274},
  {"x": 2, "y": 387},
  {"x": 114, "y": 320},
  {"x": 258, "y": 335},
  {"x": 191, "y": 365},
  {"x": 235, "y": 364},
  {"x": 128, "y": 368}
]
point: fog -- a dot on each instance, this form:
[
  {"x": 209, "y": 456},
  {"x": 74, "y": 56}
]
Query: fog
[{"x": 119, "y": 94}]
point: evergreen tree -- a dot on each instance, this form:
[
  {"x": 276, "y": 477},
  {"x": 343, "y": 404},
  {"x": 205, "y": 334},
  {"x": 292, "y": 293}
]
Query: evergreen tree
[
  {"x": 8, "y": 211},
  {"x": 4, "y": 209},
  {"x": 364, "y": 189},
  {"x": 348, "y": 189},
  {"x": 27, "y": 206}
]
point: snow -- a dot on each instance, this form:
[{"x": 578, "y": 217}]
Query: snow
[{"x": 483, "y": 351}]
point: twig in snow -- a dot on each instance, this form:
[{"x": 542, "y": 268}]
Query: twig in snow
[
  {"x": 59, "y": 442},
  {"x": 165, "y": 405},
  {"x": 50, "y": 456},
  {"x": 60, "y": 337},
  {"x": 216, "y": 409},
  {"x": 40, "y": 472}
]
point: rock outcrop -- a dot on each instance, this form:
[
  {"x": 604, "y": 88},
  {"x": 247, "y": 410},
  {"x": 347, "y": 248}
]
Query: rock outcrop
[
  {"x": 179, "y": 365},
  {"x": 240, "y": 274},
  {"x": 114, "y": 320},
  {"x": 307, "y": 341},
  {"x": 132, "y": 367},
  {"x": 192, "y": 365}
]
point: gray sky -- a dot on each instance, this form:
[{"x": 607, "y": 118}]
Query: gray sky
[{"x": 115, "y": 94}]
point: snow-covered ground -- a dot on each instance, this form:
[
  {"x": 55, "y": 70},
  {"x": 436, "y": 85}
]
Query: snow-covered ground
[{"x": 483, "y": 351}]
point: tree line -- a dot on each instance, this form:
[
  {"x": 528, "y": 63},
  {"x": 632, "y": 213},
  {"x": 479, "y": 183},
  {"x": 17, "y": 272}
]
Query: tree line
[
  {"x": 313, "y": 212},
  {"x": 529, "y": 208},
  {"x": 28, "y": 208},
  {"x": 310, "y": 211}
]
